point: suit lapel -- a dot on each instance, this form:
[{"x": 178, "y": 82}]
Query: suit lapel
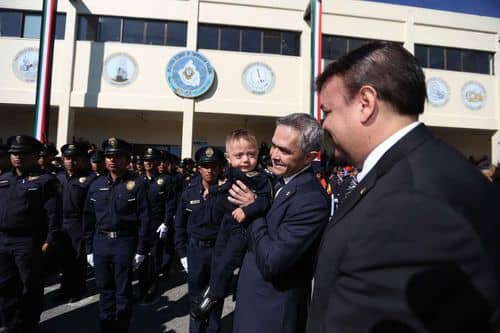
[
  {"x": 397, "y": 152},
  {"x": 288, "y": 190}
]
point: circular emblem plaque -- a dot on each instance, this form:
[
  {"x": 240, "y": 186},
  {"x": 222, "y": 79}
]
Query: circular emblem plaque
[
  {"x": 438, "y": 92},
  {"x": 473, "y": 95},
  {"x": 120, "y": 69},
  {"x": 25, "y": 65},
  {"x": 258, "y": 78},
  {"x": 189, "y": 74}
]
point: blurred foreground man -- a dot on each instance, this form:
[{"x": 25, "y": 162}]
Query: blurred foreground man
[
  {"x": 30, "y": 214},
  {"x": 116, "y": 221},
  {"x": 414, "y": 248}
]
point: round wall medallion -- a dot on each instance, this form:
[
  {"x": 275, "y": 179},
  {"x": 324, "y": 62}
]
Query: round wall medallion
[
  {"x": 473, "y": 95},
  {"x": 120, "y": 69},
  {"x": 258, "y": 78},
  {"x": 189, "y": 74},
  {"x": 25, "y": 65},
  {"x": 438, "y": 92}
]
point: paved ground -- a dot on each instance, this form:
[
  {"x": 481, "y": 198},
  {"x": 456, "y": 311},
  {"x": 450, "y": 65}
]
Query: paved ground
[{"x": 169, "y": 314}]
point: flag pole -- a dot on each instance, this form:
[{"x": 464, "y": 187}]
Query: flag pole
[
  {"x": 316, "y": 54},
  {"x": 44, "y": 77}
]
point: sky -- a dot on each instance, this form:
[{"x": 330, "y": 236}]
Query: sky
[{"x": 476, "y": 7}]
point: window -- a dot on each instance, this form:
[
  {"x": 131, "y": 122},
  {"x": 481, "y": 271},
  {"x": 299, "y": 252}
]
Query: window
[
  {"x": 454, "y": 59},
  {"x": 27, "y": 24},
  {"x": 10, "y": 23},
  {"x": 335, "y": 47},
  {"x": 130, "y": 30},
  {"x": 248, "y": 40}
]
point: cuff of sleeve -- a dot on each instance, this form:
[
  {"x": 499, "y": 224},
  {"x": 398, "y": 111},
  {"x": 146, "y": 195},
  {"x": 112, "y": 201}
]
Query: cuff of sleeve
[{"x": 181, "y": 252}]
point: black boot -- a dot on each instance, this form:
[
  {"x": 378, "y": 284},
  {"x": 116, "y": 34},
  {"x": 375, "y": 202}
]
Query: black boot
[{"x": 201, "y": 309}]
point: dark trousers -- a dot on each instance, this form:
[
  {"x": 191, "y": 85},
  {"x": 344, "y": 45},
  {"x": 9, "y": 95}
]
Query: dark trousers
[
  {"x": 73, "y": 260},
  {"x": 158, "y": 261},
  {"x": 199, "y": 263},
  {"x": 21, "y": 289},
  {"x": 229, "y": 250},
  {"x": 113, "y": 273}
]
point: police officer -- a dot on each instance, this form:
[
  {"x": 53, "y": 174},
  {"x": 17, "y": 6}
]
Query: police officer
[
  {"x": 116, "y": 228},
  {"x": 75, "y": 182},
  {"x": 4, "y": 159},
  {"x": 139, "y": 164},
  {"x": 161, "y": 193},
  {"x": 195, "y": 232},
  {"x": 30, "y": 214},
  {"x": 188, "y": 173},
  {"x": 97, "y": 162},
  {"x": 47, "y": 155}
]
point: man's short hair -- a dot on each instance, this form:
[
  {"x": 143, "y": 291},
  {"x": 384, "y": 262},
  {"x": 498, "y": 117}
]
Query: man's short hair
[
  {"x": 311, "y": 133},
  {"x": 239, "y": 134},
  {"x": 387, "y": 67}
]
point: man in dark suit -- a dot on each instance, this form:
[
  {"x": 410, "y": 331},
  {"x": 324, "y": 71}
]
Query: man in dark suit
[
  {"x": 414, "y": 248},
  {"x": 275, "y": 278}
]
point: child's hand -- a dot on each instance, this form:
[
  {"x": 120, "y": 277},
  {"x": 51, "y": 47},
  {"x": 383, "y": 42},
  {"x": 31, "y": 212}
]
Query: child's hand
[{"x": 239, "y": 215}]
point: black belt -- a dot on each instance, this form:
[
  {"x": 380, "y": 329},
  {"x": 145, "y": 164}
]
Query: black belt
[
  {"x": 115, "y": 234},
  {"x": 203, "y": 242}
]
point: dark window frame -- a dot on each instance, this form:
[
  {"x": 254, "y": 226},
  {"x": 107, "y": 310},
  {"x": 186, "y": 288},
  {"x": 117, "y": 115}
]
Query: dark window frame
[
  {"x": 96, "y": 20},
  {"x": 242, "y": 29},
  {"x": 25, "y": 13}
]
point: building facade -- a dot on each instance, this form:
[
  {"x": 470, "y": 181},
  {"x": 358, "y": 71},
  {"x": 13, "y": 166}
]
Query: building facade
[{"x": 121, "y": 68}]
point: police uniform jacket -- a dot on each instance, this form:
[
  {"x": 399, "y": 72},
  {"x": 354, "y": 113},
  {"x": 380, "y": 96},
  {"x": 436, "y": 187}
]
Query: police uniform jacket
[
  {"x": 161, "y": 194},
  {"x": 75, "y": 189},
  {"x": 193, "y": 218},
  {"x": 120, "y": 206},
  {"x": 30, "y": 204},
  {"x": 257, "y": 182}
]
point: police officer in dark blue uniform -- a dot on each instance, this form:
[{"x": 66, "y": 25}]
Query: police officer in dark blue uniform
[
  {"x": 161, "y": 193},
  {"x": 117, "y": 229},
  {"x": 30, "y": 214},
  {"x": 75, "y": 182},
  {"x": 195, "y": 232},
  {"x": 97, "y": 162},
  {"x": 47, "y": 155}
]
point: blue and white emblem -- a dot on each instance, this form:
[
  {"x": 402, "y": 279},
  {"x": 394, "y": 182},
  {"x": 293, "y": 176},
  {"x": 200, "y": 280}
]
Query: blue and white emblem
[
  {"x": 438, "y": 92},
  {"x": 189, "y": 74},
  {"x": 473, "y": 95}
]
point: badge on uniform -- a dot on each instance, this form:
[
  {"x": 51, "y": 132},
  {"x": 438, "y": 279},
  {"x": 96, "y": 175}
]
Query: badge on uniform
[
  {"x": 130, "y": 185},
  {"x": 113, "y": 142},
  {"x": 209, "y": 152},
  {"x": 82, "y": 180},
  {"x": 160, "y": 181}
]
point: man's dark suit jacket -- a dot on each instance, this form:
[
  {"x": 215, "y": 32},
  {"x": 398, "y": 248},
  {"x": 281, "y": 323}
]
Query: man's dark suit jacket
[
  {"x": 415, "y": 248},
  {"x": 275, "y": 278}
]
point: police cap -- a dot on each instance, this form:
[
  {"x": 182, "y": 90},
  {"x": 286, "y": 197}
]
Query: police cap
[
  {"x": 114, "y": 146},
  {"x": 49, "y": 149},
  {"x": 73, "y": 149},
  {"x": 151, "y": 154},
  {"x": 187, "y": 160},
  {"x": 97, "y": 156},
  {"x": 209, "y": 154},
  {"x": 24, "y": 144}
]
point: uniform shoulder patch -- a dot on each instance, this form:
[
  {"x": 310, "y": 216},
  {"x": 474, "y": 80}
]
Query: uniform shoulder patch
[
  {"x": 130, "y": 185},
  {"x": 82, "y": 180}
]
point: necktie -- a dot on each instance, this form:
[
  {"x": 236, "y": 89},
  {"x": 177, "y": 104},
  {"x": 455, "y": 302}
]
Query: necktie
[{"x": 278, "y": 186}]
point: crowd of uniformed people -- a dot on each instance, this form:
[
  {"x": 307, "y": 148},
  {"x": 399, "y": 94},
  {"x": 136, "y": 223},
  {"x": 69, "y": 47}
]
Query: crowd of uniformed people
[{"x": 106, "y": 211}]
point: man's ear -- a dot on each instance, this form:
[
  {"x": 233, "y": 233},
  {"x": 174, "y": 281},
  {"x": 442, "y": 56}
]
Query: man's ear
[
  {"x": 310, "y": 156},
  {"x": 368, "y": 99}
]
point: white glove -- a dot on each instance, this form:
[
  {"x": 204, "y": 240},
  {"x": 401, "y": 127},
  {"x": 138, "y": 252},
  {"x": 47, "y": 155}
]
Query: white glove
[
  {"x": 184, "y": 263},
  {"x": 90, "y": 259},
  {"x": 162, "y": 231},
  {"x": 138, "y": 259}
]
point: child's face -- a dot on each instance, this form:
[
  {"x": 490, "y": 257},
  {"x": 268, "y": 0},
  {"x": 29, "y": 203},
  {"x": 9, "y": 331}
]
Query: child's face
[{"x": 242, "y": 154}]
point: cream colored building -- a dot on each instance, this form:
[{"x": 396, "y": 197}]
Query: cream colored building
[{"x": 88, "y": 105}]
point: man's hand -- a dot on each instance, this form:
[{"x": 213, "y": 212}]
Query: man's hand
[
  {"x": 90, "y": 259},
  {"x": 162, "y": 231},
  {"x": 241, "y": 195},
  {"x": 239, "y": 215},
  {"x": 138, "y": 259},
  {"x": 184, "y": 263},
  {"x": 45, "y": 247}
]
